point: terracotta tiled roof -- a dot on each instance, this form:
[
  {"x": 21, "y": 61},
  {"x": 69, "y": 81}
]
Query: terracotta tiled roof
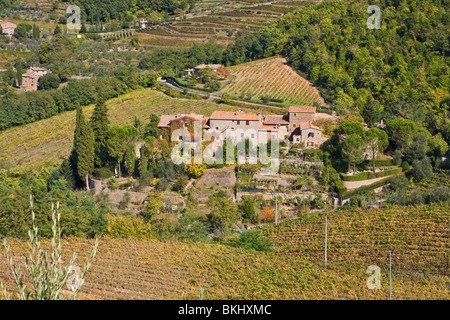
[
  {"x": 212, "y": 66},
  {"x": 268, "y": 127},
  {"x": 275, "y": 119},
  {"x": 302, "y": 109},
  {"x": 235, "y": 115},
  {"x": 165, "y": 119},
  {"x": 308, "y": 125},
  {"x": 38, "y": 69}
]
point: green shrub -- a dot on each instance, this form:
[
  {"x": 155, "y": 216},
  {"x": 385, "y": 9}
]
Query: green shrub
[
  {"x": 112, "y": 184},
  {"x": 103, "y": 173},
  {"x": 369, "y": 175},
  {"x": 252, "y": 240},
  {"x": 439, "y": 194},
  {"x": 126, "y": 185},
  {"x": 125, "y": 227},
  {"x": 405, "y": 166}
]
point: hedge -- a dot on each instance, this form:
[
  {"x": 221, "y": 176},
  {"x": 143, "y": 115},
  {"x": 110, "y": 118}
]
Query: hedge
[
  {"x": 378, "y": 163},
  {"x": 370, "y": 175},
  {"x": 341, "y": 166}
]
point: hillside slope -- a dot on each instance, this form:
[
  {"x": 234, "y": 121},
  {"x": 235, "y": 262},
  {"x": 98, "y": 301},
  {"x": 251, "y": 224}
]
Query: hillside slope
[
  {"x": 150, "y": 269},
  {"x": 274, "y": 78},
  {"x": 46, "y": 142},
  {"x": 216, "y": 19}
]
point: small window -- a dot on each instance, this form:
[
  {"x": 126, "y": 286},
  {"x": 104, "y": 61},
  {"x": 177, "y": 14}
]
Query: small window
[
  {"x": 311, "y": 135},
  {"x": 185, "y": 124},
  {"x": 238, "y": 122},
  {"x": 180, "y": 138},
  {"x": 247, "y": 123},
  {"x": 295, "y": 114},
  {"x": 294, "y": 125},
  {"x": 217, "y": 128}
]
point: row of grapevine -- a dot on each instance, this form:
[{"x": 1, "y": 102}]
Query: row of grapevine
[{"x": 272, "y": 77}]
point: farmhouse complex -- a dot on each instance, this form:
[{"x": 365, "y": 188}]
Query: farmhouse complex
[
  {"x": 296, "y": 127},
  {"x": 30, "y": 79}
]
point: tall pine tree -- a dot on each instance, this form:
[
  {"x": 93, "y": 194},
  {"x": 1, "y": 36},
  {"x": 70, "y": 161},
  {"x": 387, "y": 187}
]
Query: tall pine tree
[
  {"x": 100, "y": 126},
  {"x": 83, "y": 147}
]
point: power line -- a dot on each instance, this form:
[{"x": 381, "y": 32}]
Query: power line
[{"x": 421, "y": 274}]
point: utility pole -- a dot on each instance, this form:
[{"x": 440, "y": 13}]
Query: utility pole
[
  {"x": 276, "y": 206},
  {"x": 390, "y": 276},
  {"x": 326, "y": 238},
  {"x": 381, "y": 199},
  {"x": 304, "y": 203}
]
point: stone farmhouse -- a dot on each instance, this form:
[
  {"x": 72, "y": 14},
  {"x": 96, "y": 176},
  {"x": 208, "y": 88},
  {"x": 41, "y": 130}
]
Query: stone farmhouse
[
  {"x": 195, "y": 70},
  {"x": 142, "y": 24},
  {"x": 169, "y": 123},
  {"x": 37, "y": 71},
  {"x": 8, "y": 28},
  {"x": 294, "y": 128},
  {"x": 30, "y": 79}
]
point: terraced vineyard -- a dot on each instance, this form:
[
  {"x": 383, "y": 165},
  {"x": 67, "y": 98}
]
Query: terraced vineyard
[
  {"x": 46, "y": 142},
  {"x": 271, "y": 77},
  {"x": 216, "y": 19},
  {"x": 44, "y": 5},
  {"x": 419, "y": 239}
]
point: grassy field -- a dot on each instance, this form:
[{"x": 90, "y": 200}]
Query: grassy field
[
  {"x": 48, "y": 141},
  {"x": 149, "y": 269},
  {"x": 274, "y": 78}
]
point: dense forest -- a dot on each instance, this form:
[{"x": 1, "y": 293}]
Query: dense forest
[
  {"x": 105, "y": 10},
  {"x": 5, "y": 4},
  {"x": 404, "y": 65},
  {"x": 399, "y": 70}
]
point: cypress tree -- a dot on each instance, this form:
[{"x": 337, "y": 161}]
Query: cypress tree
[
  {"x": 19, "y": 73},
  {"x": 57, "y": 30},
  {"x": 100, "y": 126},
  {"x": 36, "y": 32},
  {"x": 143, "y": 163},
  {"x": 83, "y": 147}
]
